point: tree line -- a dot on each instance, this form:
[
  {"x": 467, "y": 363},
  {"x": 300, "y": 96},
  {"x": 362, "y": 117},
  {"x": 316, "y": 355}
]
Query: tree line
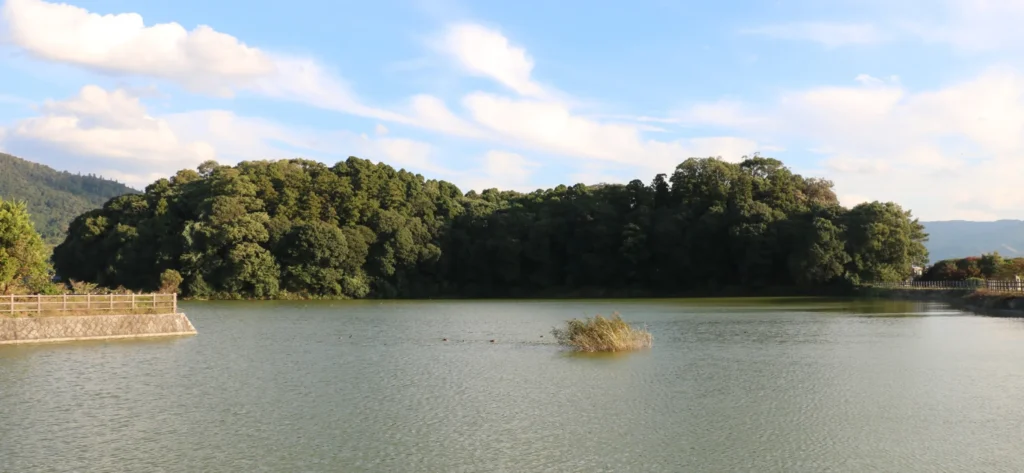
[
  {"x": 986, "y": 266},
  {"x": 300, "y": 228}
]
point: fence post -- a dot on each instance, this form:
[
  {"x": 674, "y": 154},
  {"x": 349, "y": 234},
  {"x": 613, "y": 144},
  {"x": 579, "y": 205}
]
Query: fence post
[
  {"x": 64, "y": 304},
  {"x": 39, "y": 304},
  {"x": 174, "y": 303},
  {"x": 88, "y": 302},
  {"x": 12, "y": 305},
  {"x": 133, "y": 302}
]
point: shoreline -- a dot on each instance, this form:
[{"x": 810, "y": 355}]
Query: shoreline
[{"x": 994, "y": 304}]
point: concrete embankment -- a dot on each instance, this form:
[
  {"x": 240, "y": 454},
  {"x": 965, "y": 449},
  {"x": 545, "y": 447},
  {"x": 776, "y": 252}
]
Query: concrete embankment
[
  {"x": 92, "y": 327},
  {"x": 981, "y": 302}
]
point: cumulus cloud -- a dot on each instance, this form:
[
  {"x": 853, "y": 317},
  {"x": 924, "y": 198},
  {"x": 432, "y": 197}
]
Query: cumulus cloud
[
  {"x": 537, "y": 118},
  {"x": 201, "y": 60},
  {"x": 111, "y": 125},
  {"x": 111, "y": 133},
  {"x": 950, "y": 152}
]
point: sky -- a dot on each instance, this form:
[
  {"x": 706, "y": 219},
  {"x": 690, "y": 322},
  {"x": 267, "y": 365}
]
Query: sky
[{"x": 916, "y": 102}]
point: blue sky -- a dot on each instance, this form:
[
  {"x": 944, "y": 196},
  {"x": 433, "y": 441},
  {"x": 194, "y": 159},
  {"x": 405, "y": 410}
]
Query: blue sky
[{"x": 921, "y": 103}]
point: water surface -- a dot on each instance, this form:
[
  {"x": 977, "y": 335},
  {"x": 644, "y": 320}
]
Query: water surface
[{"x": 786, "y": 385}]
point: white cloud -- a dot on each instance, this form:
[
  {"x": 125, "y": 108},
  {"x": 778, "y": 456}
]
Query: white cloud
[
  {"x": 847, "y": 164},
  {"x": 431, "y": 112},
  {"x": 111, "y": 133},
  {"x": 971, "y": 25},
  {"x": 553, "y": 127},
  {"x": 829, "y": 34},
  {"x": 485, "y": 52},
  {"x": 955, "y": 151},
  {"x": 201, "y": 60},
  {"x": 112, "y": 125},
  {"x": 206, "y": 60},
  {"x": 499, "y": 169},
  {"x": 541, "y": 119}
]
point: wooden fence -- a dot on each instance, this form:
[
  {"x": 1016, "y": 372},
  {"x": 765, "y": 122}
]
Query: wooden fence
[
  {"x": 992, "y": 285},
  {"x": 88, "y": 304}
]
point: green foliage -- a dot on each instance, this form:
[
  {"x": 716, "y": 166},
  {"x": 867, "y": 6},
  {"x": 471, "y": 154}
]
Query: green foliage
[
  {"x": 987, "y": 266},
  {"x": 53, "y": 198},
  {"x": 170, "y": 281},
  {"x": 602, "y": 334},
  {"x": 24, "y": 265},
  {"x": 299, "y": 228}
]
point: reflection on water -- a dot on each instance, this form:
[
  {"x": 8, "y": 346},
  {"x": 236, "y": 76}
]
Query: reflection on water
[{"x": 786, "y": 385}]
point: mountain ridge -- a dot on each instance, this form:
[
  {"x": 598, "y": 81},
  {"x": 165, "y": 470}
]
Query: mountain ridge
[
  {"x": 53, "y": 197},
  {"x": 961, "y": 238}
]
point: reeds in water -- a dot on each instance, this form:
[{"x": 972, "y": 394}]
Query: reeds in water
[{"x": 602, "y": 334}]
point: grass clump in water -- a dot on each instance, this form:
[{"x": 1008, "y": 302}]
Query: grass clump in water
[{"x": 602, "y": 334}]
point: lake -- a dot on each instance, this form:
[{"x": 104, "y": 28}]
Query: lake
[{"x": 760, "y": 385}]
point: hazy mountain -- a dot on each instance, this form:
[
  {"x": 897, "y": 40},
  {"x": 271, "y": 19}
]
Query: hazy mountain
[
  {"x": 54, "y": 197},
  {"x": 960, "y": 238}
]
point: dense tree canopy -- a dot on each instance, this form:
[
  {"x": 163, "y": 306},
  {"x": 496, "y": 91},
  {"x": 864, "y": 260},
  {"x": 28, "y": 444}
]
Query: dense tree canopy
[{"x": 357, "y": 229}]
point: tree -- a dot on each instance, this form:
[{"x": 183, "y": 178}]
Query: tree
[
  {"x": 989, "y": 264},
  {"x": 170, "y": 280},
  {"x": 883, "y": 242},
  {"x": 358, "y": 229},
  {"x": 23, "y": 259}
]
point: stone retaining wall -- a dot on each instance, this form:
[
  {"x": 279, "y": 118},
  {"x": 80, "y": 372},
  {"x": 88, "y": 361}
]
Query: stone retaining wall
[{"x": 92, "y": 327}]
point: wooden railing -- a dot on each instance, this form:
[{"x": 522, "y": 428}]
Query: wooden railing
[
  {"x": 991, "y": 285},
  {"x": 88, "y": 304}
]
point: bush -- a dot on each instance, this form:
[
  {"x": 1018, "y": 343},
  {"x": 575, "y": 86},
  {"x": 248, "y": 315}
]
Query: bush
[
  {"x": 602, "y": 334},
  {"x": 170, "y": 281},
  {"x": 975, "y": 282}
]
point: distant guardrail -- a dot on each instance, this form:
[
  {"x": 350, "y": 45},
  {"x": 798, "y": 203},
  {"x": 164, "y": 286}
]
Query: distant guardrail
[
  {"x": 992, "y": 285},
  {"x": 88, "y": 304}
]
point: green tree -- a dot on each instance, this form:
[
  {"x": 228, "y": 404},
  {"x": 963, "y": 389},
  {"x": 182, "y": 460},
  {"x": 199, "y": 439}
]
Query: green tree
[
  {"x": 883, "y": 242},
  {"x": 23, "y": 256},
  {"x": 358, "y": 229}
]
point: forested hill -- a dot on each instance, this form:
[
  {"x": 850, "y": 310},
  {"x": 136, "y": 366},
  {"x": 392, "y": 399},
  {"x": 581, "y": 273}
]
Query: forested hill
[
  {"x": 53, "y": 197},
  {"x": 355, "y": 229}
]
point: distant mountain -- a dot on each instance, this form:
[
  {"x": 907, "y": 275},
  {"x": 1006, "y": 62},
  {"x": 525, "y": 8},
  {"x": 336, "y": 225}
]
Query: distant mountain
[
  {"x": 54, "y": 197},
  {"x": 960, "y": 238}
]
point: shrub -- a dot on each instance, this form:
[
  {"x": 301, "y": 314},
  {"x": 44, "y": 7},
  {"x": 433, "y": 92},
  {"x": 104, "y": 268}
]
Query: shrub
[
  {"x": 602, "y": 334},
  {"x": 975, "y": 282},
  {"x": 170, "y": 281},
  {"x": 82, "y": 287}
]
